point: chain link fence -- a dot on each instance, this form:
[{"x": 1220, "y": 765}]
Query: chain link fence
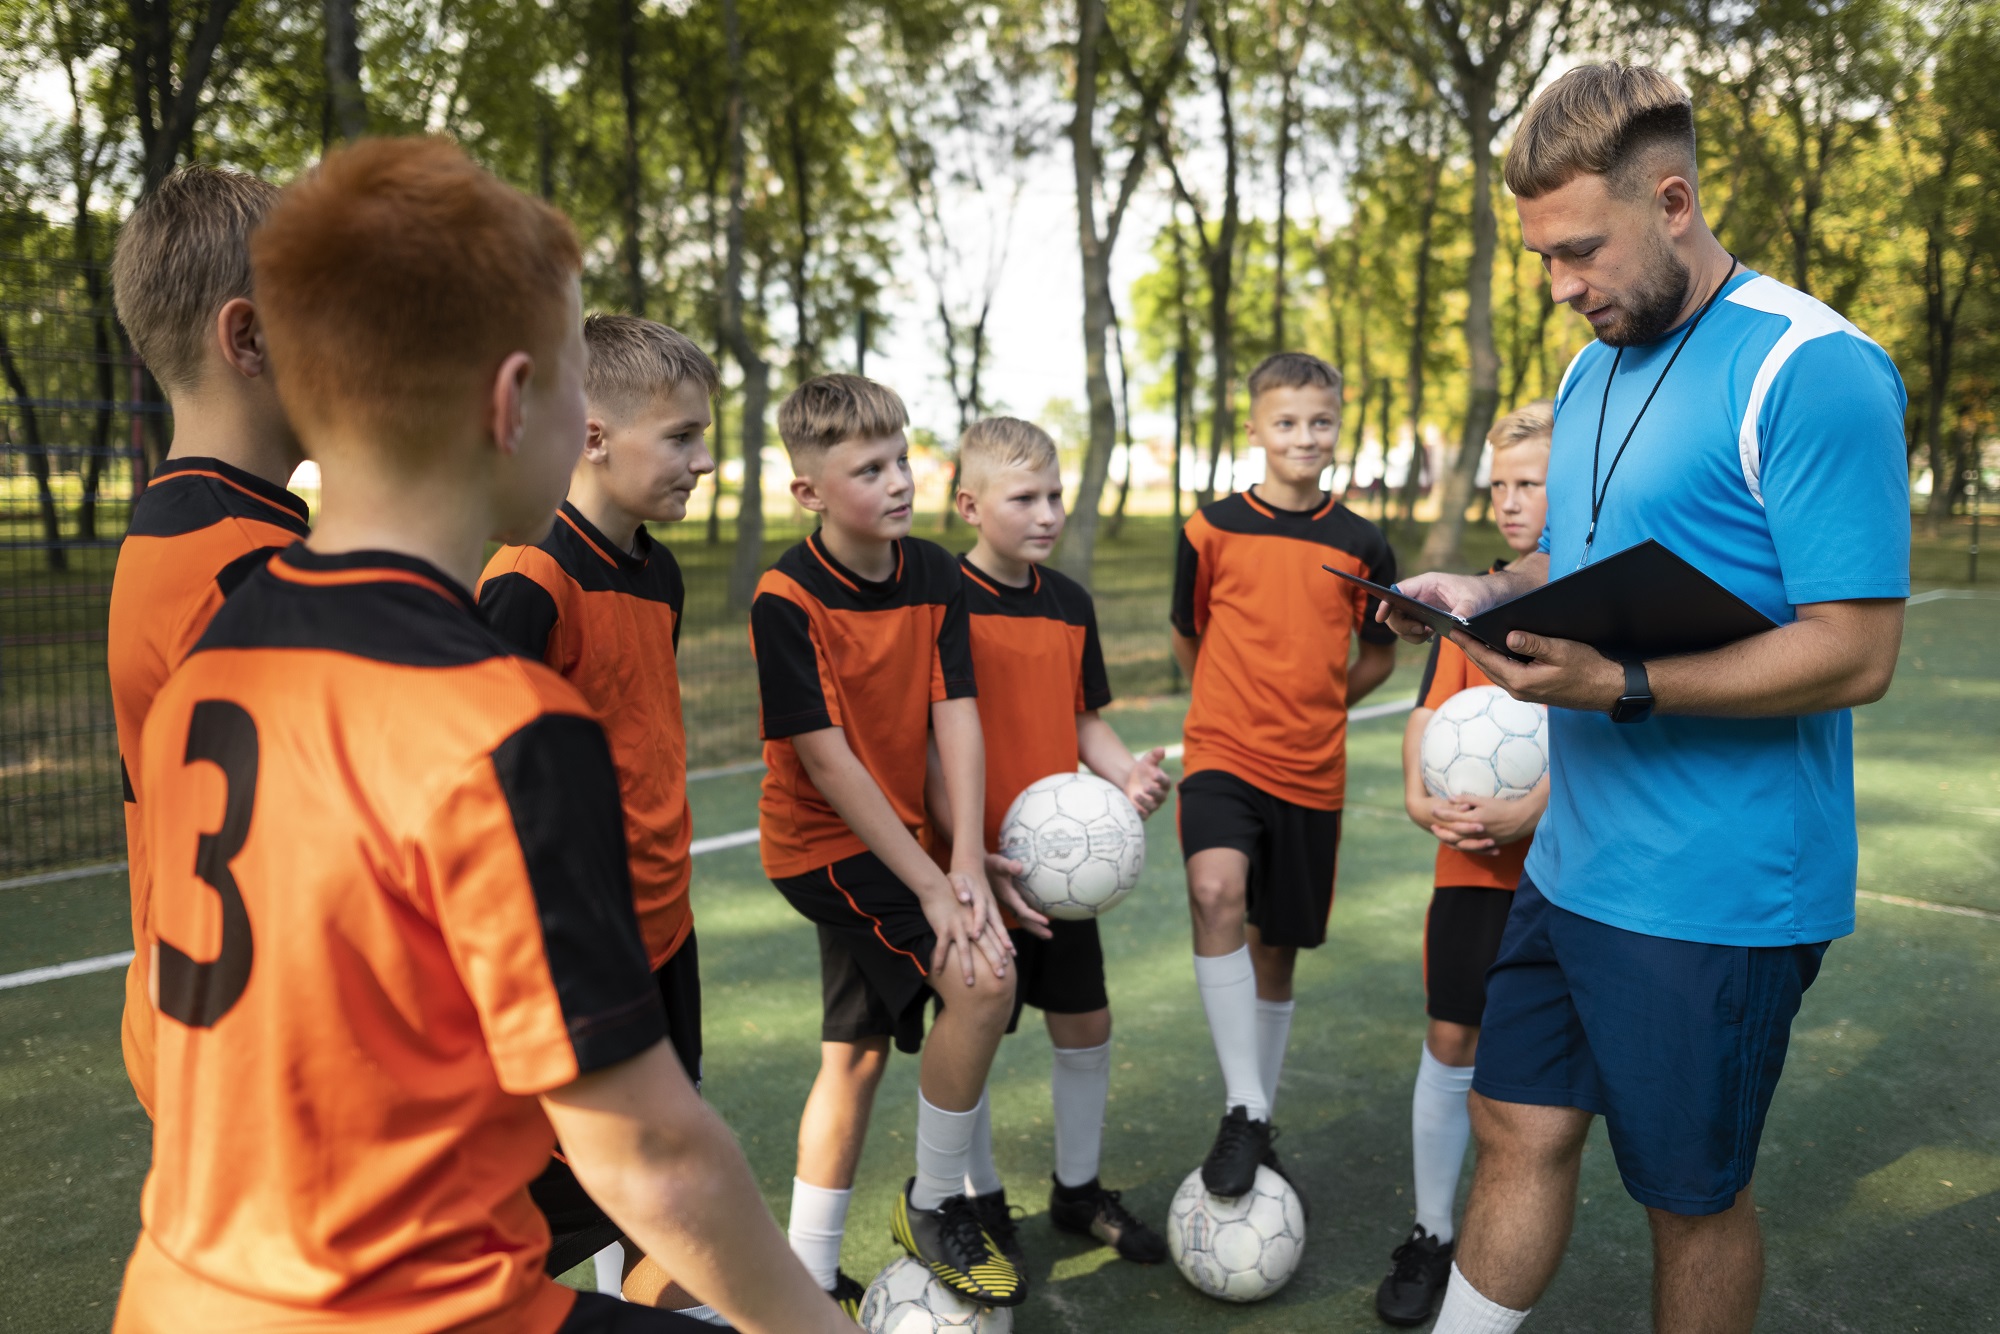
[{"x": 81, "y": 425}]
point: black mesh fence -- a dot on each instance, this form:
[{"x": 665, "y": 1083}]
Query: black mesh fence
[
  {"x": 80, "y": 427},
  {"x": 77, "y": 426}
]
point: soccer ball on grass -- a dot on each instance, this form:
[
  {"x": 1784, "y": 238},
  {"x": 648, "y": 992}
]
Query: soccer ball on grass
[
  {"x": 1080, "y": 842},
  {"x": 906, "y": 1298},
  {"x": 1239, "y": 1250},
  {"x": 1483, "y": 742}
]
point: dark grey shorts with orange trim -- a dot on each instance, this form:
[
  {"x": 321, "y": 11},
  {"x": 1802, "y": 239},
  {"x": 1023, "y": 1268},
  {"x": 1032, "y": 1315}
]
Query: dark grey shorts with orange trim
[{"x": 875, "y": 948}]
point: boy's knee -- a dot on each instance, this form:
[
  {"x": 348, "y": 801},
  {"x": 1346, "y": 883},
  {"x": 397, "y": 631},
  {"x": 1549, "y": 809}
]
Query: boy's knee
[
  {"x": 859, "y": 1064},
  {"x": 1215, "y": 892}
]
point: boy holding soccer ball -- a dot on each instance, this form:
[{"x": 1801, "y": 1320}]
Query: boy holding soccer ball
[
  {"x": 1482, "y": 845},
  {"x": 1265, "y": 635},
  {"x": 1041, "y": 668}
]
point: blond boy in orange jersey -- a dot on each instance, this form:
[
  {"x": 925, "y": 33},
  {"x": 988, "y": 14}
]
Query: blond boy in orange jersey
[
  {"x": 600, "y": 601},
  {"x": 398, "y": 954},
  {"x": 217, "y": 508},
  {"x": 1482, "y": 846},
  {"x": 1265, "y": 634},
  {"x": 1042, "y": 680}
]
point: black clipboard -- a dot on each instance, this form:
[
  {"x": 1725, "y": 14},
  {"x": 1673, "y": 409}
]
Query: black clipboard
[{"x": 1641, "y": 602}]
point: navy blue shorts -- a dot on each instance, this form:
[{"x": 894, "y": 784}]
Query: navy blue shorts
[{"x": 1678, "y": 1045}]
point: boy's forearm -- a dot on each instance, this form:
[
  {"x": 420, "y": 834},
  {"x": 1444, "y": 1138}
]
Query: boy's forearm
[
  {"x": 961, "y": 747},
  {"x": 1415, "y": 794},
  {"x": 1375, "y": 664},
  {"x": 852, "y": 792},
  {"x": 1102, "y": 750},
  {"x": 669, "y": 1173}
]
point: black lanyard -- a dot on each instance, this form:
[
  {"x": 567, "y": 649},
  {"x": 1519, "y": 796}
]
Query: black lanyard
[{"x": 1597, "y": 497}]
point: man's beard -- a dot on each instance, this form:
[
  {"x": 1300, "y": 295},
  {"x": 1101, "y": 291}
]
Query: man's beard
[{"x": 1655, "y": 306}]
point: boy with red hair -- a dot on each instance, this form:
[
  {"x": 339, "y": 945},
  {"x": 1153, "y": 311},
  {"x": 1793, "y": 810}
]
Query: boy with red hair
[{"x": 396, "y": 933}]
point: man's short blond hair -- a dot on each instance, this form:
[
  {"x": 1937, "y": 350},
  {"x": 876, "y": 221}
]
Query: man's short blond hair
[
  {"x": 634, "y": 361},
  {"x": 1293, "y": 370},
  {"x": 994, "y": 443},
  {"x": 1530, "y": 424},
  {"x": 1608, "y": 120},
  {"x": 182, "y": 255},
  {"x": 829, "y": 409}
]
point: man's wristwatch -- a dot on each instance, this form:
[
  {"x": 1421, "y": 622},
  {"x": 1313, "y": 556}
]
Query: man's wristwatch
[{"x": 1636, "y": 704}]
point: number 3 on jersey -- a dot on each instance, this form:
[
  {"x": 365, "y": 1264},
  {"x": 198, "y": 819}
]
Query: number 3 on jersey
[{"x": 199, "y": 994}]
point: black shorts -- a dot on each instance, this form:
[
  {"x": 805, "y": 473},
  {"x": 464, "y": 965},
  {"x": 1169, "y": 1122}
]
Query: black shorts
[
  {"x": 1461, "y": 939},
  {"x": 1293, "y": 852},
  {"x": 574, "y": 1218},
  {"x": 1061, "y": 975},
  {"x": 875, "y": 947},
  {"x": 595, "y": 1313}
]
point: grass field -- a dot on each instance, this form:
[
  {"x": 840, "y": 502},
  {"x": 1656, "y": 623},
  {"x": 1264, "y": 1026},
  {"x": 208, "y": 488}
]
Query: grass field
[{"x": 1881, "y": 1164}]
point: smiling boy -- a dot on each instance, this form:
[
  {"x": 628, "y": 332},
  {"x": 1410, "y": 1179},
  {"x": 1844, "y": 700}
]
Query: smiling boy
[
  {"x": 863, "y": 652},
  {"x": 600, "y": 601},
  {"x": 1265, "y": 634}
]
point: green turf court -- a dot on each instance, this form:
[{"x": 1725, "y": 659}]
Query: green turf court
[{"x": 1881, "y": 1163}]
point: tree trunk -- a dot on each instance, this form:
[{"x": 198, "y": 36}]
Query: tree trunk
[
  {"x": 1420, "y": 314},
  {"x": 38, "y": 458},
  {"x": 346, "y": 105},
  {"x": 630, "y": 185},
  {"x": 748, "y": 562},
  {"x": 1124, "y": 426},
  {"x": 1079, "y": 543},
  {"x": 1441, "y": 547},
  {"x": 166, "y": 95},
  {"x": 805, "y": 356},
  {"x": 1284, "y": 182}
]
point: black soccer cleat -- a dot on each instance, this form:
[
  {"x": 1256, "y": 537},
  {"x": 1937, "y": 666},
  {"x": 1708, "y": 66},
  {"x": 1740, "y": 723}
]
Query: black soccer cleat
[
  {"x": 1305, "y": 1200},
  {"x": 952, "y": 1244},
  {"x": 1414, "y": 1289},
  {"x": 1090, "y": 1210},
  {"x": 1240, "y": 1147},
  {"x": 847, "y": 1294},
  {"x": 997, "y": 1218}
]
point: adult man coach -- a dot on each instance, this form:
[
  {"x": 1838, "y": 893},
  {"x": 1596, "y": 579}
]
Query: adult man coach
[{"x": 1699, "y": 848}]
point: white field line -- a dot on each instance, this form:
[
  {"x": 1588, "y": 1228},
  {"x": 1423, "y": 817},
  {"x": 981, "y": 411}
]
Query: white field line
[
  {"x": 715, "y": 843},
  {"x": 1955, "y": 909},
  {"x": 1940, "y": 594},
  {"x": 52, "y": 877}
]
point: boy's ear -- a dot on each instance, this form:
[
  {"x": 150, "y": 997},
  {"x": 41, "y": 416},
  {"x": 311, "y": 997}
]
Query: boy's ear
[
  {"x": 596, "y": 446},
  {"x": 239, "y": 336},
  {"x": 967, "y": 505},
  {"x": 506, "y": 414},
  {"x": 807, "y": 495}
]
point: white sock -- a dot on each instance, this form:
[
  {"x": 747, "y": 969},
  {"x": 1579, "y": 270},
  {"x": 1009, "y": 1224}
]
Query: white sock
[
  {"x": 1466, "y": 1312},
  {"x": 708, "y": 1315},
  {"x": 1229, "y": 997},
  {"x": 819, "y": 1220},
  {"x": 944, "y": 1143},
  {"x": 1274, "y": 1034},
  {"x": 981, "y": 1176},
  {"x": 1079, "y": 1083},
  {"x": 609, "y": 1267},
  {"x": 1440, "y": 1128}
]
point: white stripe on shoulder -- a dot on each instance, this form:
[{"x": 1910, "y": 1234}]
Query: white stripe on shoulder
[
  {"x": 1562, "y": 385},
  {"x": 1808, "y": 319}
]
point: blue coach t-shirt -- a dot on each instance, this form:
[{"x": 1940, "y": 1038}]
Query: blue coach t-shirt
[{"x": 1773, "y": 461}]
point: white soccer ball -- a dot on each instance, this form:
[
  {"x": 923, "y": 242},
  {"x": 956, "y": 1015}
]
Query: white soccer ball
[
  {"x": 1483, "y": 742},
  {"x": 1239, "y": 1250},
  {"x": 1080, "y": 842},
  {"x": 906, "y": 1298}
]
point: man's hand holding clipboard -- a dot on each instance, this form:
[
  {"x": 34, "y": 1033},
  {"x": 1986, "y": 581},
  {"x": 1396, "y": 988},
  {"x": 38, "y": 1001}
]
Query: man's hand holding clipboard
[{"x": 1558, "y": 672}]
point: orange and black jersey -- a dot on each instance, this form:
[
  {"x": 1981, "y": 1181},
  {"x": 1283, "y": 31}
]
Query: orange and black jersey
[
  {"x": 836, "y": 650},
  {"x": 1448, "y": 672},
  {"x": 1039, "y": 663},
  {"x": 1270, "y": 684},
  {"x": 610, "y": 621},
  {"x": 392, "y": 907},
  {"x": 195, "y": 533}
]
